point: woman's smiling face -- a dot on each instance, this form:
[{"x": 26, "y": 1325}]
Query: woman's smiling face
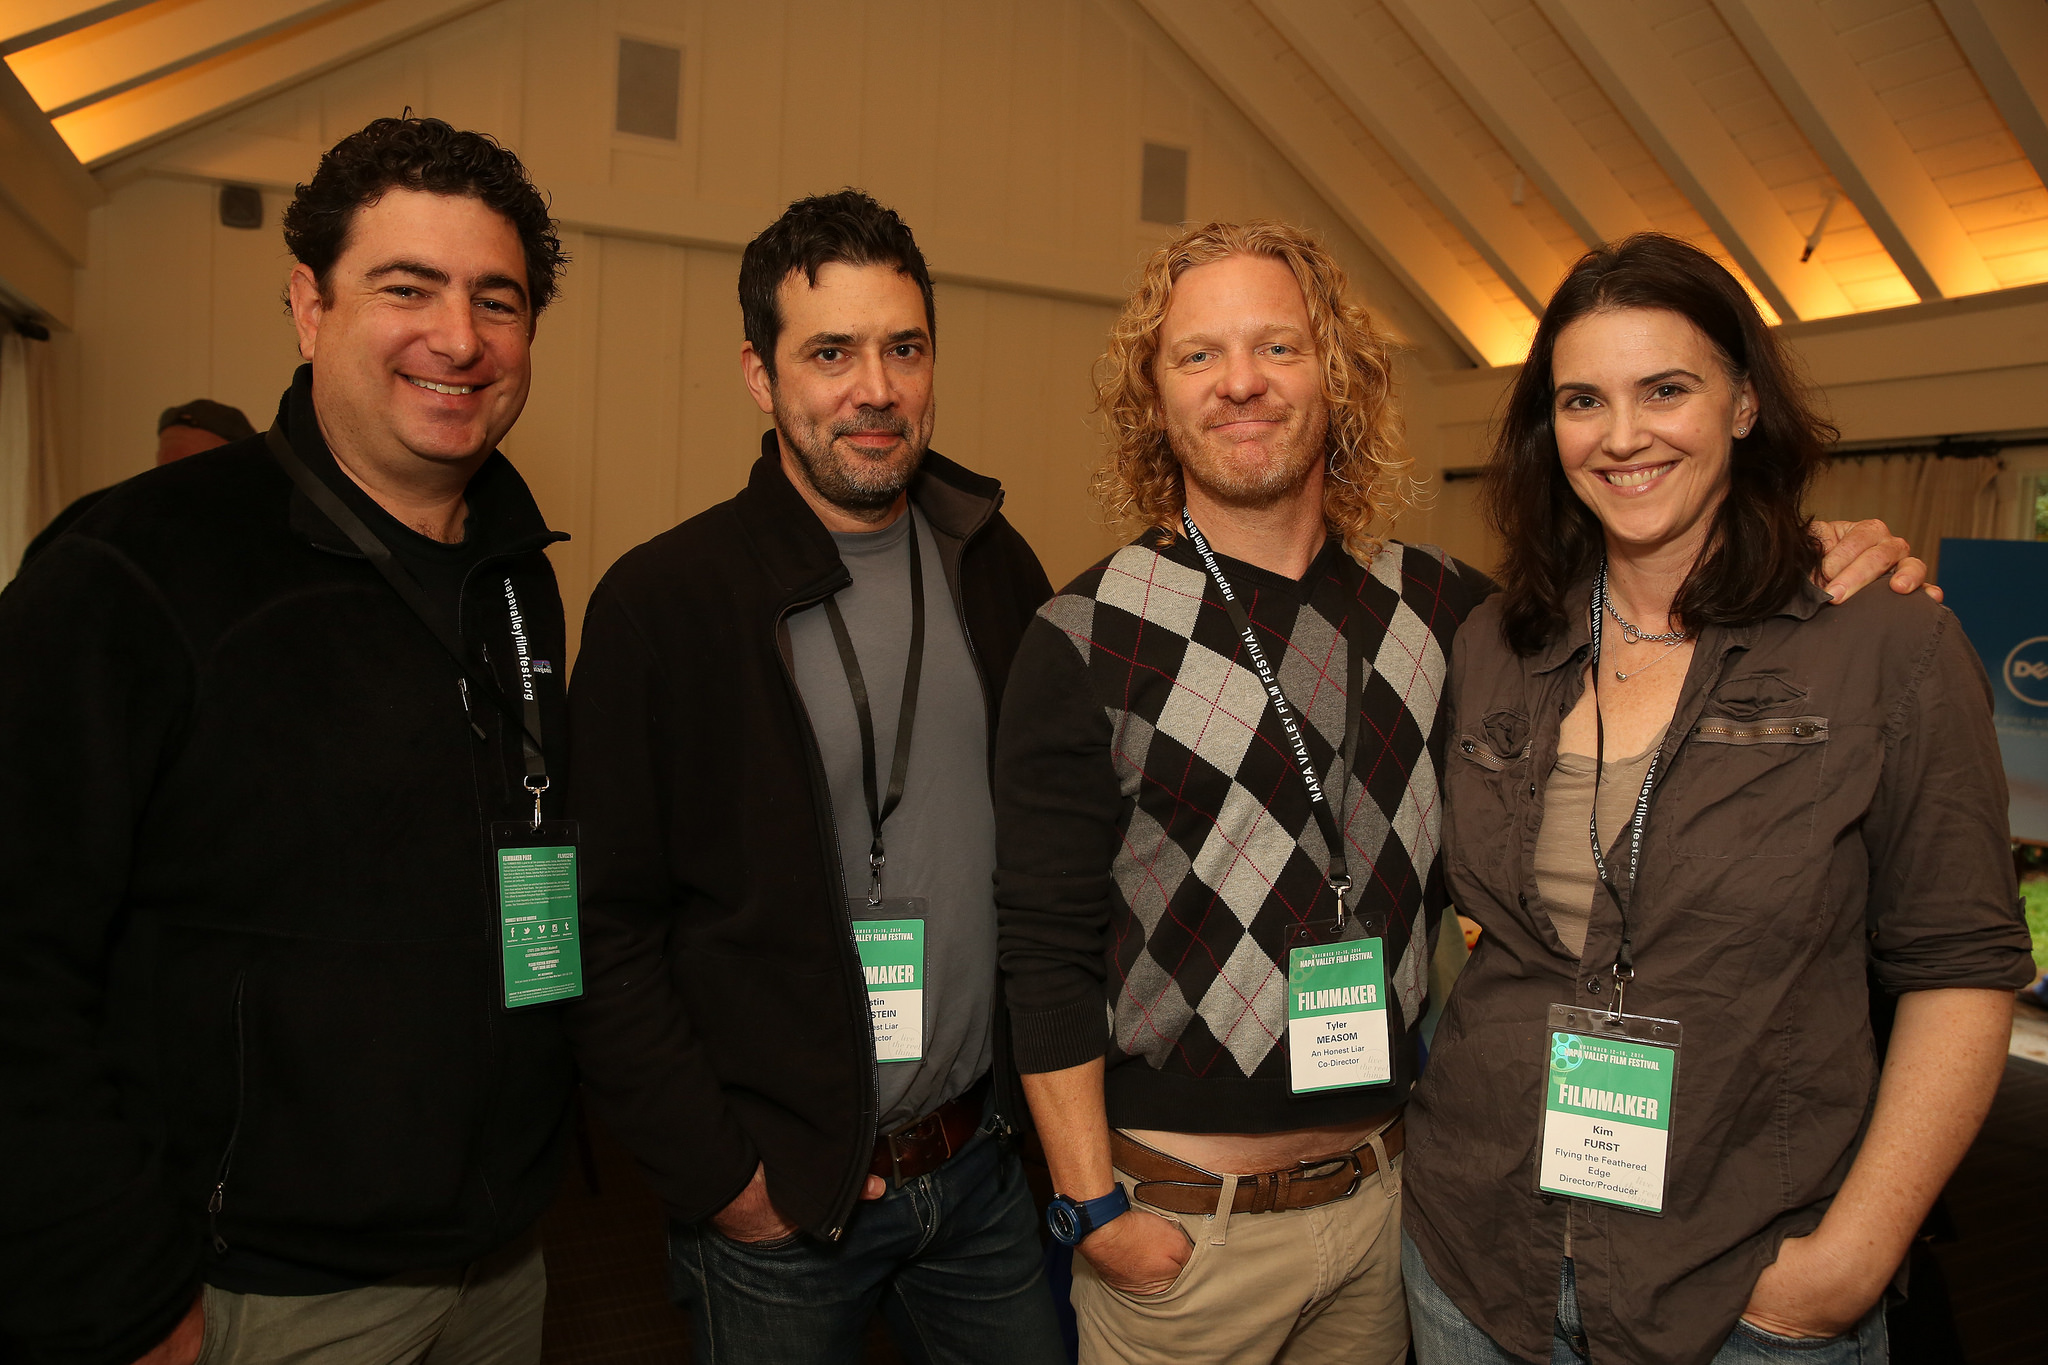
[{"x": 1645, "y": 414}]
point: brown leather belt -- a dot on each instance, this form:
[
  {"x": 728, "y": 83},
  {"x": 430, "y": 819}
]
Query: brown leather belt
[
  {"x": 1168, "y": 1183},
  {"x": 921, "y": 1147}
]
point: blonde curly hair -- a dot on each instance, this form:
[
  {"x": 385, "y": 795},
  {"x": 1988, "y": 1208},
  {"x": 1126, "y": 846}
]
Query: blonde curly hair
[{"x": 1139, "y": 483}]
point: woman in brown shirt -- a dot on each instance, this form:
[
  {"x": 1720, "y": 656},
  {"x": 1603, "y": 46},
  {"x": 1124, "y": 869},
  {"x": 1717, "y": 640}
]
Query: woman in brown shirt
[{"x": 1654, "y": 1126}]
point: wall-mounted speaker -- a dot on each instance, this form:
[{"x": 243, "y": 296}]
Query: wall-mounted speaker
[
  {"x": 650, "y": 88},
  {"x": 1163, "y": 191},
  {"x": 241, "y": 206}
]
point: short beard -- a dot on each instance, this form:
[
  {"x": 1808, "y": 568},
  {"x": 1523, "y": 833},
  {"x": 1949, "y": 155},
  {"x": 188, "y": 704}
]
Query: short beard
[
  {"x": 1256, "y": 488},
  {"x": 855, "y": 484}
]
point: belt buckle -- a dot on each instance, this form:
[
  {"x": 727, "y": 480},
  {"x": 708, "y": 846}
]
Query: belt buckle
[{"x": 1316, "y": 1168}]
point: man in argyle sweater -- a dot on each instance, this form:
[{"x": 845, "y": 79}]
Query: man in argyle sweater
[{"x": 1162, "y": 861}]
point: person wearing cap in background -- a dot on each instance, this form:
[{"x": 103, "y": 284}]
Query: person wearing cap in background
[{"x": 185, "y": 429}]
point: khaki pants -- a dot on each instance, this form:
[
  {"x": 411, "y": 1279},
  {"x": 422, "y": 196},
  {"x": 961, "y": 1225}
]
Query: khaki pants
[
  {"x": 1298, "y": 1288},
  {"x": 485, "y": 1313}
]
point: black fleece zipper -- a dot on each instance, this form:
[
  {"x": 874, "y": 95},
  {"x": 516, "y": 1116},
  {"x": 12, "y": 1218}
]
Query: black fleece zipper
[
  {"x": 821, "y": 792},
  {"x": 218, "y": 1197}
]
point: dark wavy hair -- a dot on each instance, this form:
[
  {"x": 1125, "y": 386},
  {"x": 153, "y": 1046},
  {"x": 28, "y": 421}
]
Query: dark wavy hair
[
  {"x": 1759, "y": 548},
  {"x": 421, "y": 154},
  {"x": 849, "y": 228}
]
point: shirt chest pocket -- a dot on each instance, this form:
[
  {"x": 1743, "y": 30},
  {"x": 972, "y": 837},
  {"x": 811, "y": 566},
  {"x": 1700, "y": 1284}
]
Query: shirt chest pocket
[
  {"x": 1749, "y": 788},
  {"x": 1488, "y": 763}
]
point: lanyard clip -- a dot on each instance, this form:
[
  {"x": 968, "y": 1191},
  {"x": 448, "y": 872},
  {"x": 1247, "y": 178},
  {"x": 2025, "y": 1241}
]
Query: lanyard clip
[
  {"x": 536, "y": 790},
  {"x": 1341, "y": 884},
  {"x": 875, "y": 864},
  {"x": 1622, "y": 976}
]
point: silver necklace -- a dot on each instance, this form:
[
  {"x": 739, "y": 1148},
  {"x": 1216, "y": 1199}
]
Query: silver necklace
[
  {"x": 1620, "y": 676},
  {"x": 1635, "y": 635}
]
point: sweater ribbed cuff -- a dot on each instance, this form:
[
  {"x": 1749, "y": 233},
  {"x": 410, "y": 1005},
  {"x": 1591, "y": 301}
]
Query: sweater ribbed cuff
[{"x": 1057, "y": 1038}]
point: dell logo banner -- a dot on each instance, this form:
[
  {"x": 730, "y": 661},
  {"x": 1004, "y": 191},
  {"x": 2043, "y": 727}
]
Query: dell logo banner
[
  {"x": 1995, "y": 589},
  {"x": 2026, "y": 671}
]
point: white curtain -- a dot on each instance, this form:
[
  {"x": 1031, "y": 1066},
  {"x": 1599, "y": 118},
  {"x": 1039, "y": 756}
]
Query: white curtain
[
  {"x": 28, "y": 453},
  {"x": 1921, "y": 497}
]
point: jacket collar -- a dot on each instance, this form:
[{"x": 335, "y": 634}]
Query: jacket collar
[
  {"x": 1576, "y": 635},
  {"x": 799, "y": 553},
  {"x": 503, "y": 517}
]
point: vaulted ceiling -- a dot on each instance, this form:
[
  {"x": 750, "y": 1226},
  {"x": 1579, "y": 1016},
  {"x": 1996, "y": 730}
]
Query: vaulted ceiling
[{"x": 1842, "y": 155}]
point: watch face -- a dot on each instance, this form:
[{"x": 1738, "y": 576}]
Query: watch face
[{"x": 1064, "y": 1220}]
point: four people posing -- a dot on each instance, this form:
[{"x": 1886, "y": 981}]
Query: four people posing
[{"x": 870, "y": 821}]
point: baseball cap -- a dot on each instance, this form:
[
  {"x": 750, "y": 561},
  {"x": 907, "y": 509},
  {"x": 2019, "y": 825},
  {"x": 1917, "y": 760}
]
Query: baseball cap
[{"x": 203, "y": 413}]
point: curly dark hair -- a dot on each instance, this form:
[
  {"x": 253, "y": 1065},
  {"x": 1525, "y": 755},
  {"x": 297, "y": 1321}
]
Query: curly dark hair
[
  {"x": 848, "y": 227},
  {"x": 1760, "y": 546},
  {"x": 421, "y": 154}
]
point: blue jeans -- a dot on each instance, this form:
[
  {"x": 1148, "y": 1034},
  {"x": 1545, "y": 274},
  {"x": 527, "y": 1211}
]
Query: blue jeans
[
  {"x": 951, "y": 1260},
  {"x": 1445, "y": 1336}
]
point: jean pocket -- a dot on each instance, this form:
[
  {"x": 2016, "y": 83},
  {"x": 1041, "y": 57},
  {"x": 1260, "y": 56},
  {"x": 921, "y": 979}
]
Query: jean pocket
[
  {"x": 1807, "y": 1348},
  {"x": 763, "y": 1248}
]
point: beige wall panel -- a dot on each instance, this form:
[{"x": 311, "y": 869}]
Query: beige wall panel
[
  {"x": 824, "y": 65},
  {"x": 740, "y": 138},
  {"x": 146, "y": 327},
  {"x": 639, "y": 364},
  {"x": 903, "y": 48},
  {"x": 1037, "y": 435},
  {"x": 376, "y": 87},
  {"x": 473, "y": 69},
  {"x": 720, "y": 425},
  {"x": 554, "y": 444},
  {"x": 960, "y": 377},
  {"x": 1988, "y": 400},
  {"x": 567, "y": 112},
  {"x": 254, "y": 346},
  {"x": 975, "y": 128}
]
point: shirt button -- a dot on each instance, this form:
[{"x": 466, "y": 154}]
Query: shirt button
[
  {"x": 1532, "y": 789},
  {"x": 1593, "y": 986}
]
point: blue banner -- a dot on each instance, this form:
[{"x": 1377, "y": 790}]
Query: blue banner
[{"x": 1999, "y": 590}]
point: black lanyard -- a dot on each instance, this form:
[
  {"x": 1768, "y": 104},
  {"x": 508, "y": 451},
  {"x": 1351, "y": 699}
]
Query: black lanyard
[
  {"x": 1339, "y": 874},
  {"x": 1624, "y": 958},
  {"x": 409, "y": 591},
  {"x": 881, "y": 808}
]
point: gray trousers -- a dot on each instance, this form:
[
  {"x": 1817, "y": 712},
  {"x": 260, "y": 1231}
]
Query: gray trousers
[{"x": 485, "y": 1313}]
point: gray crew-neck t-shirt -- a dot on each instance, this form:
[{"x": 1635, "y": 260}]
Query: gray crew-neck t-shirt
[{"x": 941, "y": 840}]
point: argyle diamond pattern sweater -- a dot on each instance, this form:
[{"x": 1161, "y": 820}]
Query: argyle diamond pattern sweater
[{"x": 1157, "y": 847}]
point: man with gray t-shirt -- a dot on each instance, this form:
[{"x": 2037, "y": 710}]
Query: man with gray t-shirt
[
  {"x": 781, "y": 726},
  {"x": 938, "y": 845}
]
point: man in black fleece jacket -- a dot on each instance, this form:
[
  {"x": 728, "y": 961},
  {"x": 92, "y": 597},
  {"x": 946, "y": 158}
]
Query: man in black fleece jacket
[
  {"x": 744, "y": 684},
  {"x": 260, "y": 1084}
]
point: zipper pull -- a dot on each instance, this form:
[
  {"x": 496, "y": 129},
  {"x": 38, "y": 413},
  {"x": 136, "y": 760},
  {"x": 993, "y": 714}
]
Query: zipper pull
[
  {"x": 213, "y": 1203},
  {"x": 463, "y": 683}
]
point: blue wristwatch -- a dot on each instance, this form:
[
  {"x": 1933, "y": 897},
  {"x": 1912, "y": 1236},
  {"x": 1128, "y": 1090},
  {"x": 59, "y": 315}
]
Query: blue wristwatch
[{"x": 1073, "y": 1219}]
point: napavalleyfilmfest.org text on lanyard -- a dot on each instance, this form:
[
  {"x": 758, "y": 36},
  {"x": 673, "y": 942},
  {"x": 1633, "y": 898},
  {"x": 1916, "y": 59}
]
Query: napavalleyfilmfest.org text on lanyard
[
  {"x": 888, "y": 934},
  {"x": 533, "y": 861},
  {"x": 1338, "y": 1032},
  {"x": 1609, "y": 1076}
]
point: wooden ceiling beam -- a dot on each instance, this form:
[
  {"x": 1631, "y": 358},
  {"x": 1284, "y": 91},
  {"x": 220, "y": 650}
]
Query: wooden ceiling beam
[
  {"x": 1821, "y": 86},
  {"x": 1226, "y": 50},
  {"x": 1500, "y": 89},
  {"x": 2006, "y": 42},
  {"x": 1330, "y": 38},
  {"x": 26, "y": 23},
  {"x": 1687, "y": 137},
  {"x": 100, "y": 62},
  {"x": 148, "y": 113}
]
